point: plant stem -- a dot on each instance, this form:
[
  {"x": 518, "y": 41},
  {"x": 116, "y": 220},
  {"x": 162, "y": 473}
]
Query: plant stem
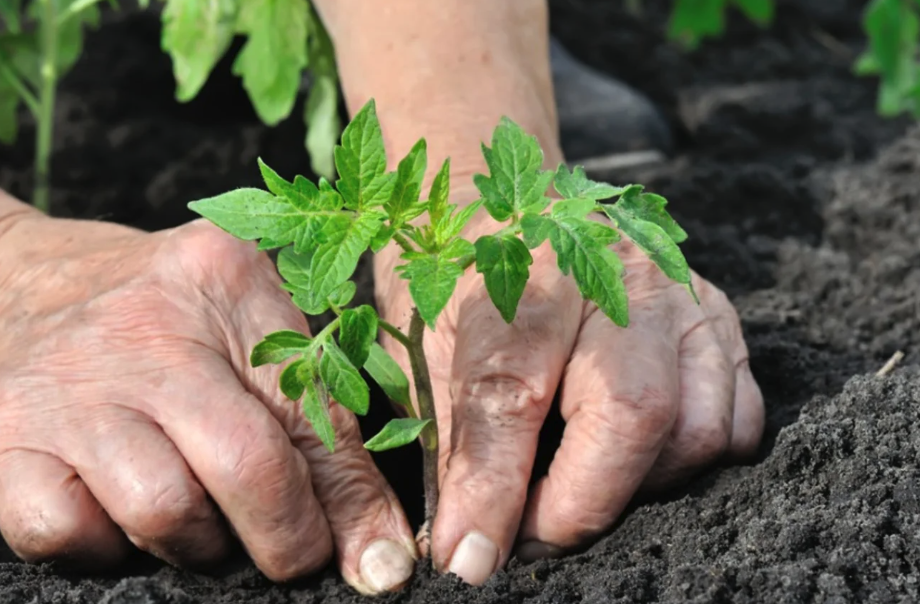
[
  {"x": 425, "y": 395},
  {"x": 45, "y": 118},
  {"x": 394, "y": 331}
]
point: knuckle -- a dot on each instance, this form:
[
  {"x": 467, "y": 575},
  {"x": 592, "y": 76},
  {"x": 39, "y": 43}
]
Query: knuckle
[
  {"x": 208, "y": 253},
  {"x": 500, "y": 399},
  {"x": 156, "y": 511},
  {"x": 703, "y": 444},
  {"x": 644, "y": 416}
]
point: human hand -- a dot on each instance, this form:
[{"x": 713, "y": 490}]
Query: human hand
[
  {"x": 129, "y": 412},
  {"x": 644, "y": 406}
]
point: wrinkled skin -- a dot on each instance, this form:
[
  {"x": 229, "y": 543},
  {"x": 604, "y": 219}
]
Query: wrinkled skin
[
  {"x": 129, "y": 412},
  {"x": 644, "y": 406}
]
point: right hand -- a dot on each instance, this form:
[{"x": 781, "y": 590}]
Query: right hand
[{"x": 129, "y": 412}]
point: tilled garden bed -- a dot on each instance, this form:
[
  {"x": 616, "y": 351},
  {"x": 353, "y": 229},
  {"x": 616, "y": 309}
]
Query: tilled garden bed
[{"x": 800, "y": 203}]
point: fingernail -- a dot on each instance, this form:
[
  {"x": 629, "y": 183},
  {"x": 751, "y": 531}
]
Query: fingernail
[
  {"x": 537, "y": 550},
  {"x": 385, "y": 565},
  {"x": 474, "y": 559}
]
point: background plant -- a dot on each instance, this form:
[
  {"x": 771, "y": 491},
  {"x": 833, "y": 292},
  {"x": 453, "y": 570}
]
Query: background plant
[
  {"x": 41, "y": 40},
  {"x": 323, "y": 230}
]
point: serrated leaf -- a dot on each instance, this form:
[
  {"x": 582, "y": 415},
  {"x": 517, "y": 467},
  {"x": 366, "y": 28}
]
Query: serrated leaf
[
  {"x": 577, "y": 184},
  {"x": 581, "y": 247},
  {"x": 578, "y": 208},
  {"x": 277, "y": 347},
  {"x": 316, "y": 407},
  {"x": 516, "y": 182},
  {"x": 504, "y": 264},
  {"x": 652, "y": 240},
  {"x": 439, "y": 196},
  {"x": 196, "y": 35},
  {"x": 291, "y": 380},
  {"x": 321, "y": 111},
  {"x": 336, "y": 259},
  {"x": 432, "y": 281},
  {"x": 342, "y": 380},
  {"x": 343, "y": 294},
  {"x": 361, "y": 161},
  {"x": 403, "y": 204},
  {"x": 382, "y": 238},
  {"x": 397, "y": 433},
  {"x": 384, "y": 370},
  {"x": 357, "y": 332},
  {"x": 274, "y": 56},
  {"x": 651, "y": 208},
  {"x": 458, "y": 248},
  {"x": 457, "y": 222}
]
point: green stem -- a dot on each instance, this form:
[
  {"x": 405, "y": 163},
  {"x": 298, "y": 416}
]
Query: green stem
[
  {"x": 403, "y": 243},
  {"x": 7, "y": 73},
  {"x": 425, "y": 395},
  {"x": 48, "y": 49},
  {"x": 395, "y": 332}
]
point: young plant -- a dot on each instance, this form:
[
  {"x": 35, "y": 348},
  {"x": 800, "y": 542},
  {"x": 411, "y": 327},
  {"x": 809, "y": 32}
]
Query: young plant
[
  {"x": 283, "y": 39},
  {"x": 39, "y": 42},
  {"x": 893, "y": 29},
  {"x": 694, "y": 20},
  {"x": 323, "y": 230}
]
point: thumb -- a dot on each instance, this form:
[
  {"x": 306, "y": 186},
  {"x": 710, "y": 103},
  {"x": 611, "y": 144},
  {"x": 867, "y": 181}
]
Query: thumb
[{"x": 503, "y": 380}]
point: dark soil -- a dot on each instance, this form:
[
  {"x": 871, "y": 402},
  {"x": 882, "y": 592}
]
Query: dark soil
[{"x": 800, "y": 203}]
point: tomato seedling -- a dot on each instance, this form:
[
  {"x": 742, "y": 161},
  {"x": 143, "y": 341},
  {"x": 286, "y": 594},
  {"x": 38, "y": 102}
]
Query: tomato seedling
[{"x": 323, "y": 230}]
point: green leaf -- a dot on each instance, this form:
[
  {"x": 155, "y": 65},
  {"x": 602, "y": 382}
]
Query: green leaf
[
  {"x": 321, "y": 111},
  {"x": 403, "y": 204},
  {"x": 577, "y": 184},
  {"x": 439, "y": 196},
  {"x": 9, "y": 12},
  {"x": 382, "y": 238},
  {"x": 248, "y": 214},
  {"x": 70, "y": 34},
  {"x": 335, "y": 261},
  {"x": 516, "y": 182},
  {"x": 342, "y": 380},
  {"x": 291, "y": 380},
  {"x": 397, "y": 433},
  {"x": 316, "y": 407},
  {"x": 432, "y": 281},
  {"x": 581, "y": 247},
  {"x": 458, "y": 248},
  {"x": 651, "y": 208},
  {"x": 693, "y": 20},
  {"x": 758, "y": 11},
  {"x": 277, "y": 347},
  {"x": 361, "y": 162},
  {"x": 652, "y": 240},
  {"x": 578, "y": 208},
  {"x": 274, "y": 56},
  {"x": 357, "y": 332},
  {"x": 504, "y": 262},
  {"x": 196, "y": 35},
  {"x": 388, "y": 374},
  {"x": 343, "y": 294}
]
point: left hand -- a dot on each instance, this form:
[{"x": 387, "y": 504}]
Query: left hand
[{"x": 644, "y": 406}]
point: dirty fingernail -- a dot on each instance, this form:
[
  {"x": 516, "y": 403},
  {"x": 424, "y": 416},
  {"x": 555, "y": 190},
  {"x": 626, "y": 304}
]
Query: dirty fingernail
[
  {"x": 537, "y": 550},
  {"x": 385, "y": 565},
  {"x": 474, "y": 558}
]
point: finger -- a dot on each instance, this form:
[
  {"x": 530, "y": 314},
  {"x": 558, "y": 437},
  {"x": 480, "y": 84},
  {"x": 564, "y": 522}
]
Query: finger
[
  {"x": 246, "y": 461},
  {"x": 374, "y": 545},
  {"x": 749, "y": 418},
  {"x": 619, "y": 400},
  {"x": 48, "y": 514},
  {"x": 141, "y": 480},
  {"x": 504, "y": 380},
  {"x": 703, "y": 428}
]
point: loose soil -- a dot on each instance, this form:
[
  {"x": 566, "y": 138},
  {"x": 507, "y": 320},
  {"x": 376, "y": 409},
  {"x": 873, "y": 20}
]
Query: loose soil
[{"x": 800, "y": 203}]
